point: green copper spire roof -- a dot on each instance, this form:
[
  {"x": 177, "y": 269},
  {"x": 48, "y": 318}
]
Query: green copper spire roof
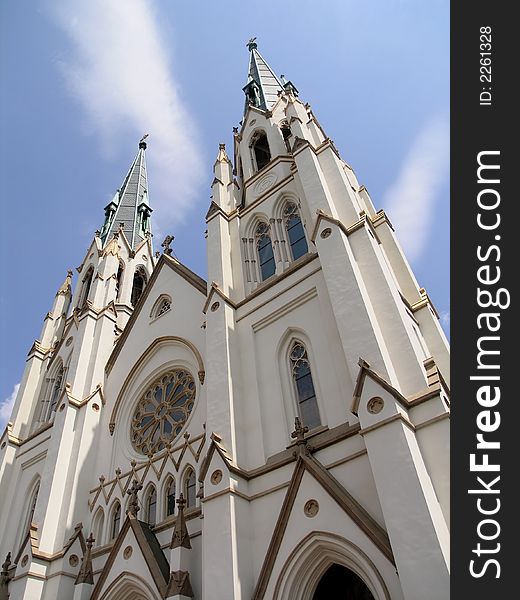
[
  {"x": 129, "y": 209},
  {"x": 263, "y": 85}
]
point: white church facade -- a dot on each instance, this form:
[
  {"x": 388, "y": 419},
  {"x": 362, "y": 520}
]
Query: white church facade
[{"x": 279, "y": 432}]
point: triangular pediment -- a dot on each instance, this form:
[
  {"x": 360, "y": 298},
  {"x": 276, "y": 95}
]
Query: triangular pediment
[
  {"x": 314, "y": 490},
  {"x": 136, "y": 550}
]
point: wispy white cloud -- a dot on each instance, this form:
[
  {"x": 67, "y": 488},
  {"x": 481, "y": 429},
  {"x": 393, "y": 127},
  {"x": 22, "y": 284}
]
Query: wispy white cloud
[
  {"x": 6, "y": 407},
  {"x": 445, "y": 319},
  {"x": 410, "y": 200},
  {"x": 120, "y": 72}
]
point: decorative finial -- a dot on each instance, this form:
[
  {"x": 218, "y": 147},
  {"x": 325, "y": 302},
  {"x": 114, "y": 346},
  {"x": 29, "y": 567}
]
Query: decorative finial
[
  {"x": 90, "y": 541},
  {"x": 181, "y": 502},
  {"x": 166, "y": 244},
  {"x": 66, "y": 285},
  {"x": 133, "y": 503},
  {"x": 251, "y": 44},
  {"x": 142, "y": 143},
  {"x": 180, "y": 537},
  {"x": 299, "y": 432},
  {"x": 86, "y": 573},
  {"x": 4, "y": 574}
]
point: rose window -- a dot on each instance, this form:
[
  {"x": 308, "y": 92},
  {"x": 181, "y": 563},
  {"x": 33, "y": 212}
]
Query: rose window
[{"x": 162, "y": 411}]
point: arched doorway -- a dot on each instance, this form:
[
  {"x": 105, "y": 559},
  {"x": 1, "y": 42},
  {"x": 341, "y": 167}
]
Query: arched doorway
[
  {"x": 326, "y": 565},
  {"x": 340, "y": 583}
]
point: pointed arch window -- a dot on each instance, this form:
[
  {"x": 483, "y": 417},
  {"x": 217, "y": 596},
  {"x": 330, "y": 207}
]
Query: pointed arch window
[
  {"x": 286, "y": 134},
  {"x": 190, "y": 488},
  {"x": 57, "y": 386},
  {"x": 264, "y": 247},
  {"x": 295, "y": 231},
  {"x": 163, "y": 307},
  {"x": 304, "y": 385},
  {"x": 138, "y": 285},
  {"x": 31, "y": 509},
  {"x": 261, "y": 152},
  {"x": 116, "y": 521},
  {"x": 151, "y": 506},
  {"x": 97, "y": 526},
  {"x": 119, "y": 278},
  {"x": 85, "y": 290},
  {"x": 170, "y": 497}
]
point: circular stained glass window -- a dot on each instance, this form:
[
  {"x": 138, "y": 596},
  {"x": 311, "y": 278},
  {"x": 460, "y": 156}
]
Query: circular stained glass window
[{"x": 162, "y": 411}]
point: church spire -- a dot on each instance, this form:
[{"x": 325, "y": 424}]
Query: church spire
[
  {"x": 129, "y": 209},
  {"x": 263, "y": 86}
]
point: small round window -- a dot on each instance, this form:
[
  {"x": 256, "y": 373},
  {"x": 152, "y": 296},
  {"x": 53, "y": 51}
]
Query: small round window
[{"x": 162, "y": 411}]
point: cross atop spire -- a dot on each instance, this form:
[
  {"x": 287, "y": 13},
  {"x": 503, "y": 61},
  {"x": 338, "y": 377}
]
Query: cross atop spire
[{"x": 129, "y": 206}]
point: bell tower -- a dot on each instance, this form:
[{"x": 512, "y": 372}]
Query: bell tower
[
  {"x": 311, "y": 298},
  {"x": 62, "y": 388}
]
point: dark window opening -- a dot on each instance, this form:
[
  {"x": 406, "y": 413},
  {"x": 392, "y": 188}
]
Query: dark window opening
[
  {"x": 305, "y": 393},
  {"x": 295, "y": 231},
  {"x": 138, "y": 286},
  {"x": 261, "y": 151},
  {"x": 118, "y": 280},
  {"x": 87, "y": 283},
  {"x": 286, "y": 133},
  {"x": 170, "y": 499}
]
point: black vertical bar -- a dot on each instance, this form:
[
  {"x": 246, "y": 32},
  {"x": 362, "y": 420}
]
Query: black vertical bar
[{"x": 483, "y": 124}]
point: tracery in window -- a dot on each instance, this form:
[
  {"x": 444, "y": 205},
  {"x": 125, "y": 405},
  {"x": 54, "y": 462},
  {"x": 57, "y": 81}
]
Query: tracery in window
[
  {"x": 264, "y": 248},
  {"x": 295, "y": 231},
  {"x": 163, "y": 307},
  {"x": 162, "y": 411},
  {"x": 170, "y": 497},
  {"x": 304, "y": 386},
  {"x": 261, "y": 151},
  {"x": 151, "y": 506},
  {"x": 190, "y": 488}
]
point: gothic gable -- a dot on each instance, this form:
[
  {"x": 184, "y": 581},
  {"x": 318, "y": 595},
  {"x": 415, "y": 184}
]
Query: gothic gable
[{"x": 136, "y": 550}]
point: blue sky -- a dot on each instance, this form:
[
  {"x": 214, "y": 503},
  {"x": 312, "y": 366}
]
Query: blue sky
[{"x": 83, "y": 80}]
